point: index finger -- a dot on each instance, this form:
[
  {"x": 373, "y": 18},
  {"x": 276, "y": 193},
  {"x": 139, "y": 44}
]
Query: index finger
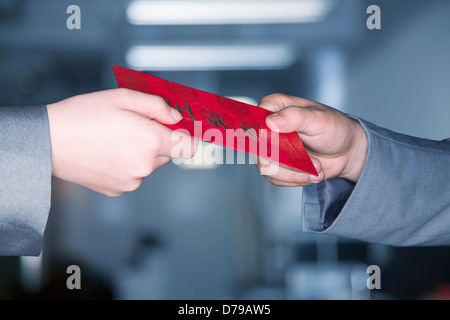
[
  {"x": 150, "y": 106},
  {"x": 277, "y": 101}
]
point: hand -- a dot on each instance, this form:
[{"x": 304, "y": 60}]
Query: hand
[
  {"x": 109, "y": 141},
  {"x": 336, "y": 143}
]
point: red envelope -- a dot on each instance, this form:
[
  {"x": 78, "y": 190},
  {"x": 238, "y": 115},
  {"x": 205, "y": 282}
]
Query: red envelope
[{"x": 222, "y": 121}]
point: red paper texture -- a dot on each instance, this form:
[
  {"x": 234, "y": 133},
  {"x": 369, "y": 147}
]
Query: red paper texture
[{"x": 236, "y": 125}]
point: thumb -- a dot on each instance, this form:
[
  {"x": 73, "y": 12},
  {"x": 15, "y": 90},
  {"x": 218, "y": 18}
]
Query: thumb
[
  {"x": 150, "y": 106},
  {"x": 292, "y": 119}
]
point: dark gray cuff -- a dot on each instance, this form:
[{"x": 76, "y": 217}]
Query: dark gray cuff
[
  {"x": 324, "y": 202},
  {"x": 25, "y": 179},
  {"x": 333, "y": 194}
]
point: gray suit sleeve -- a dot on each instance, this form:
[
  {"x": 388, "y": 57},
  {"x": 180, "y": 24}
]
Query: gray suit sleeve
[
  {"x": 25, "y": 179},
  {"x": 401, "y": 199}
]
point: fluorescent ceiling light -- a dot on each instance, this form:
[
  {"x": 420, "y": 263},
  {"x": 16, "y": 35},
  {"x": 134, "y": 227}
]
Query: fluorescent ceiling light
[
  {"x": 177, "y": 12},
  {"x": 206, "y": 57}
]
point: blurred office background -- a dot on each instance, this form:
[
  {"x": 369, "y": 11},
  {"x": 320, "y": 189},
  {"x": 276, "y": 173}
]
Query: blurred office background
[{"x": 224, "y": 232}]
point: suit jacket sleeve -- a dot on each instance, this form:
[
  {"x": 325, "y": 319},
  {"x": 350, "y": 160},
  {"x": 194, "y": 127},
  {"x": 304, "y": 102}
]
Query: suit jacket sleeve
[
  {"x": 401, "y": 199},
  {"x": 25, "y": 179}
]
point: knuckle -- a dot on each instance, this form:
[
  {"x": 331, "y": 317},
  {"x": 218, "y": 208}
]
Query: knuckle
[
  {"x": 147, "y": 170},
  {"x": 182, "y": 145},
  {"x": 132, "y": 185},
  {"x": 276, "y": 96},
  {"x": 113, "y": 194},
  {"x": 189, "y": 150},
  {"x": 273, "y": 102},
  {"x": 127, "y": 98},
  {"x": 291, "y": 111},
  {"x": 160, "y": 102},
  {"x": 124, "y": 95},
  {"x": 143, "y": 167},
  {"x": 141, "y": 172},
  {"x": 155, "y": 144},
  {"x": 273, "y": 96},
  {"x": 274, "y": 181}
]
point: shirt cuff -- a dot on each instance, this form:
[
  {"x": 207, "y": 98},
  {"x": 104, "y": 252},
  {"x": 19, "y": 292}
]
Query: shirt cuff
[
  {"x": 326, "y": 201},
  {"x": 333, "y": 194}
]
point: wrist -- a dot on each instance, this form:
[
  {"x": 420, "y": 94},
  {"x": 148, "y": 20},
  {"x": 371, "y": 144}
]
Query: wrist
[
  {"x": 55, "y": 138},
  {"x": 51, "y": 121},
  {"x": 357, "y": 155}
]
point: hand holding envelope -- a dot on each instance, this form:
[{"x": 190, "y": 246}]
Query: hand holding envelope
[
  {"x": 222, "y": 121},
  {"x": 337, "y": 144},
  {"x": 98, "y": 138},
  {"x": 109, "y": 141}
]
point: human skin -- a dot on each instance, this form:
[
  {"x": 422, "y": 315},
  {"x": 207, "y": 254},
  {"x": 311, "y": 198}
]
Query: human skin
[
  {"x": 109, "y": 141},
  {"x": 337, "y": 144}
]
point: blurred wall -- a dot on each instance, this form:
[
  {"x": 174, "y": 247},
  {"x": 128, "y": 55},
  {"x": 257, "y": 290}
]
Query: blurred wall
[
  {"x": 401, "y": 81},
  {"x": 226, "y": 232}
]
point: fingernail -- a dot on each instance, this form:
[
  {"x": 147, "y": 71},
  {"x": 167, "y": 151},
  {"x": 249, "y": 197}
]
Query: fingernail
[
  {"x": 314, "y": 178},
  {"x": 276, "y": 120},
  {"x": 176, "y": 115},
  {"x": 316, "y": 164}
]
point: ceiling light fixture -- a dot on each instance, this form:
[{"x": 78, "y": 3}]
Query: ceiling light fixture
[
  {"x": 210, "y": 57},
  {"x": 198, "y": 12}
]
